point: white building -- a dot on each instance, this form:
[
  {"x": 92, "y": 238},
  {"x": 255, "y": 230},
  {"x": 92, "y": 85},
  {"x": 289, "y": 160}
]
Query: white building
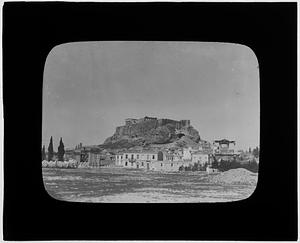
[
  {"x": 136, "y": 159},
  {"x": 187, "y": 153},
  {"x": 160, "y": 161}
]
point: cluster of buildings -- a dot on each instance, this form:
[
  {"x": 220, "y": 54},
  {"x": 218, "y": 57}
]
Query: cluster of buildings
[
  {"x": 159, "y": 161},
  {"x": 155, "y": 160},
  {"x": 172, "y": 160},
  {"x": 92, "y": 156}
]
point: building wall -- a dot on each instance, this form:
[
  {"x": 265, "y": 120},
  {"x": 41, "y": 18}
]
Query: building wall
[
  {"x": 121, "y": 159},
  {"x": 211, "y": 170},
  {"x": 153, "y": 165},
  {"x": 173, "y": 157},
  {"x": 187, "y": 154},
  {"x": 140, "y": 156},
  {"x": 94, "y": 159}
]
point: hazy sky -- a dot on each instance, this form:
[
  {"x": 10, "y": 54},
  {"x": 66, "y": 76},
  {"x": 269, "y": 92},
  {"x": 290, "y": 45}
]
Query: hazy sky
[{"x": 91, "y": 87}]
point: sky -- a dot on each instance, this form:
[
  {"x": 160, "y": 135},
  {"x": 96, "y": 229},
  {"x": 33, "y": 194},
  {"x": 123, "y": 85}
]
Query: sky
[{"x": 90, "y": 88}]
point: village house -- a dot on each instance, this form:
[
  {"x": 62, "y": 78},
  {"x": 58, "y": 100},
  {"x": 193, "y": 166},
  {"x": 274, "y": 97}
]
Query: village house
[
  {"x": 187, "y": 152},
  {"x": 167, "y": 161},
  {"x": 172, "y": 156},
  {"x": 136, "y": 159},
  {"x": 205, "y": 147},
  {"x": 91, "y": 156},
  {"x": 224, "y": 149}
]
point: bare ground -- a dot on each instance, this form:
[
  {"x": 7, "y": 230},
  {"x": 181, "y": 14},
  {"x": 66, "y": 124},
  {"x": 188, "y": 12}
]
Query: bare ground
[{"x": 119, "y": 185}]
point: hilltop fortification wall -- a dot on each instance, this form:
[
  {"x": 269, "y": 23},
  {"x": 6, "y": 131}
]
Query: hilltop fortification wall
[{"x": 150, "y": 130}]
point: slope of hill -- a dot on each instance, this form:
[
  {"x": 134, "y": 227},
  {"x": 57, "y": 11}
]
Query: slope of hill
[{"x": 152, "y": 131}]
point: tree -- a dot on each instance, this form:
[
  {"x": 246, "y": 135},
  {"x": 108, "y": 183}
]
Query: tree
[
  {"x": 214, "y": 164},
  {"x": 249, "y": 150},
  {"x": 255, "y": 152},
  {"x": 50, "y": 150},
  {"x": 195, "y": 167},
  {"x": 43, "y": 153},
  {"x": 61, "y": 150}
]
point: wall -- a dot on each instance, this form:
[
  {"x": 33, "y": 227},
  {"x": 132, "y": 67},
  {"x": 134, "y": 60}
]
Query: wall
[
  {"x": 187, "y": 154},
  {"x": 94, "y": 159},
  {"x": 136, "y": 157}
]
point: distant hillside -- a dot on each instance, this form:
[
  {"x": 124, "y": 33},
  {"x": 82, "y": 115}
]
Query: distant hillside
[{"x": 148, "y": 131}]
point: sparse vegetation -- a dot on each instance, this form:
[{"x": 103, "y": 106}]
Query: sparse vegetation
[
  {"x": 43, "y": 153},
  {"x": 225, "y": 165}
]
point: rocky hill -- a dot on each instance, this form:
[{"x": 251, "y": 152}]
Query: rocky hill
[{"x": 150, "y": 130}]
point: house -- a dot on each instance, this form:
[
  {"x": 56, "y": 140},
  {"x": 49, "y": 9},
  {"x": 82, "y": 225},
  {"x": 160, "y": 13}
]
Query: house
[
  {"x": 91, "y": 156},
  {"x": 211, "y": 170},
  {"x": 223, "y": 150},
  {"x": 187, "y": 153},
  {"x": 136, "y": 159},
  {"x": 172, "y": 157},
  {"x": 223, "y": 146},
  {"x": 206, "y": 147}
]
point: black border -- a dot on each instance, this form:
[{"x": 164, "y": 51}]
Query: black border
[{"x": 31, "y": 30}]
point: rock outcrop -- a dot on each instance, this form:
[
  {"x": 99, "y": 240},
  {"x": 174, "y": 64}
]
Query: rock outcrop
[{"x": 149, "y": 130}]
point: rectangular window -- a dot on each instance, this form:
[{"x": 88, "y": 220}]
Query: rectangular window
[
  {"x": 126, "y": 163},
  {"x": 121, "y": 157},
  {"x": 126, "y": 156},
  {"x": 142, "y": 163},
  {"x": 161, "y": 164},
  {"x": 132, "y": 156},
  {"x": 153, "y": 157},
  {"x": 172, "y": 164},
  {"x": 137, "y": 156}
]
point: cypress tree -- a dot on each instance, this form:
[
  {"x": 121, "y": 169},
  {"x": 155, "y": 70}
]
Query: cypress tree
[
  {"x": 61, "y": 150},
  {"x": 50, "y": 150},
  {"x": 43, "y": 153}
]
